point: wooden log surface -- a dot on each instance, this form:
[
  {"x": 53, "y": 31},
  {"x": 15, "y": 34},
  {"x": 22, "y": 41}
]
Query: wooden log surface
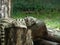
[
  {"x": 53, "y": 35},
  {"x": 46, "y": 42},
  {"x": 23, "y": 37}
]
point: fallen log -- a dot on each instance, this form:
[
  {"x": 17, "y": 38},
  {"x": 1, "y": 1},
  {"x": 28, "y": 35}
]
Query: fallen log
[
  {"x": 45, "y": 42},
  {"x": 53, "y": 35}
]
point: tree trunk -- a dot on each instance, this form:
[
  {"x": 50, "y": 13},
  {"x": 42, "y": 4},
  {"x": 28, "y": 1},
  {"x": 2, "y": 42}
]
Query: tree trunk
[{"x": 5, "y": 8}]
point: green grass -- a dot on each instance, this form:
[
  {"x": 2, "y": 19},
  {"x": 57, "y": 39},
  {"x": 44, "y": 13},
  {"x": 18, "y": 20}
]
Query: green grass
[{"x": 52, "y": 19}]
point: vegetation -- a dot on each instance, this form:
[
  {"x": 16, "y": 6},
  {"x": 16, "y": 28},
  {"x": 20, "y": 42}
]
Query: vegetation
[
  {"x": 52, "y": 20},
  {"x": 36, "y": 5},
  {"x": 46, "y": 10}
]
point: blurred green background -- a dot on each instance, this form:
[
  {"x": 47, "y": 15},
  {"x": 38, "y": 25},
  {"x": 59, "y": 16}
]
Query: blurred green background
[{"x": 46, "y": 10}]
